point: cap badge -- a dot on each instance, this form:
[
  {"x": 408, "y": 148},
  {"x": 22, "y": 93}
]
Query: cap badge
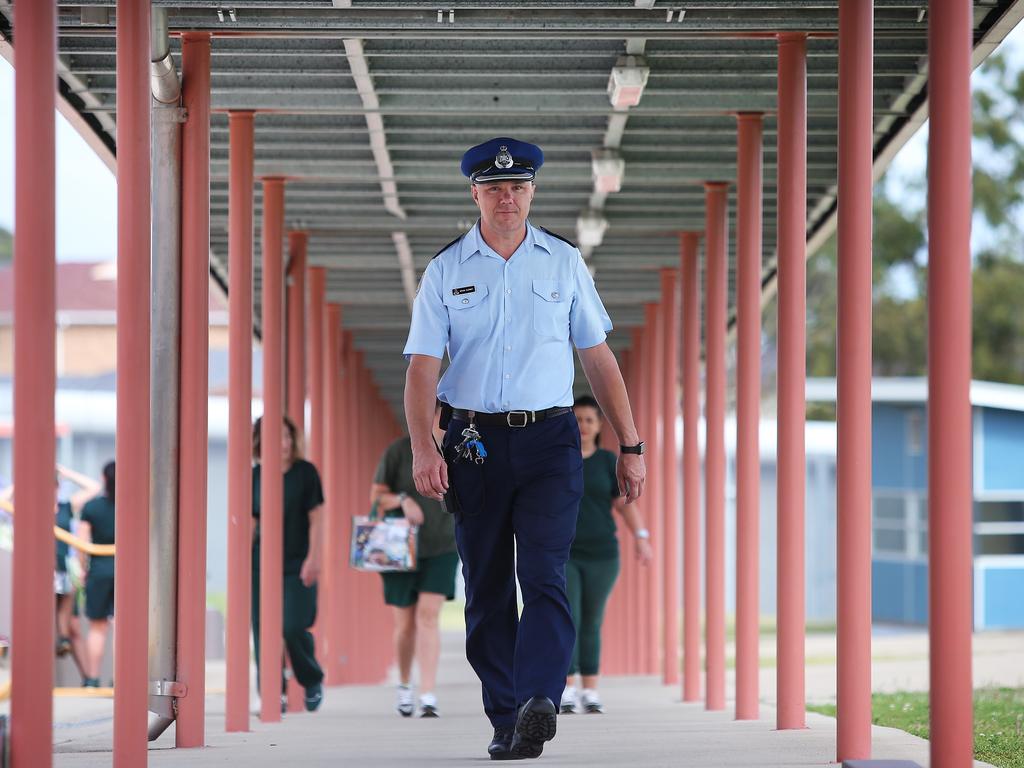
[{"x": 503, "y": 159}]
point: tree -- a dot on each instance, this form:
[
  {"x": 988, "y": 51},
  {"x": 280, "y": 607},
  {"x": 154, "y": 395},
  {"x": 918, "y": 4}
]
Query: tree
[
  {"x": 6, "y": 246},
  {"x": 899, "y": 243}
]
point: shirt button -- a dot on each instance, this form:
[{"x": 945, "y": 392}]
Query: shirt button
[
  {"x": 554, "y": 294},
  {"x": 508, "y": 349},
  {"x": 465, "y": 301},
  {"x": 509, "y": 291},
  {"x": 508, "y": 375}
]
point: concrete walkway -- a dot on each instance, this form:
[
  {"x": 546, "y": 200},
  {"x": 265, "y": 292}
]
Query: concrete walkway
[{"x": 646, "y": 723}]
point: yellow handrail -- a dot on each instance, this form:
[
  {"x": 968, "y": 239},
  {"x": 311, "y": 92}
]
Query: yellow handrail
[{"x": 98, "y": 550}]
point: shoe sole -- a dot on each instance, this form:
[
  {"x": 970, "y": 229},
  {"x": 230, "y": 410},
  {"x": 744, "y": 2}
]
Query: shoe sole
[
  {"x": 533, "y": 729},
  {"x": 594, "y": 710},
  {"x": 429, "y": 713},
  {"x": 403, "y": 713},
  {"x": 505, "y": 755},
  {"x": 568, "y": 709}
]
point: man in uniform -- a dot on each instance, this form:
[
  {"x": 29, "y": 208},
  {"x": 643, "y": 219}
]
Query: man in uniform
[{"x": 509, "y": 301}]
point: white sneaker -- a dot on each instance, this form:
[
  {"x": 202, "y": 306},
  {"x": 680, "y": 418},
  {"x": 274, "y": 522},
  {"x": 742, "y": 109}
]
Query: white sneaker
[
  {"x": 592, "y": 702},
  {"x": 568, "y": 705},
  {"x": 428, "y": 705},
  {"x": 404, "y": 703}
]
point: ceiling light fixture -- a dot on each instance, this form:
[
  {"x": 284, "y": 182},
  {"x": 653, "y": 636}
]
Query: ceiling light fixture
[
  {"x": 627, "y": 81},
  {"x": 590, "y": 227},
  {"x": 608, "y": 168}
]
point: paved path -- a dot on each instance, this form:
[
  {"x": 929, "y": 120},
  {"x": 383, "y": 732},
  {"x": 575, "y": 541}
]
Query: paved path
[{"x": 646, "y": 723}]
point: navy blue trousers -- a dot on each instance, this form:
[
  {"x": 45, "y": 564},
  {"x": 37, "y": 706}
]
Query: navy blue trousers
[{"x": 518, "y": 517}]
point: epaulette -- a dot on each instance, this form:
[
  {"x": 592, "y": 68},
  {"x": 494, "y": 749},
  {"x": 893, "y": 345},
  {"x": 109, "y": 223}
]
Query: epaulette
[
  {"x": 453, "y": 242},
  {"x": 558, "y": 237}
]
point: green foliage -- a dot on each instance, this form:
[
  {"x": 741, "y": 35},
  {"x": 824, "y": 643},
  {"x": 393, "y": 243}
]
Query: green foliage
[
  {"x": 998, "y": 721},
  {"x": 899, "y": 243},
  {"x": 6, "y": 246}
]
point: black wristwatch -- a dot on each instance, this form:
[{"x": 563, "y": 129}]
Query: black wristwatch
[{"x": 638, "y": 449}]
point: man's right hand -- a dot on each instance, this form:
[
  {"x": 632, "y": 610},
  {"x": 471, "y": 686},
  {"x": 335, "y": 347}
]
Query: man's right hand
[{"x": 430, "y": 473}]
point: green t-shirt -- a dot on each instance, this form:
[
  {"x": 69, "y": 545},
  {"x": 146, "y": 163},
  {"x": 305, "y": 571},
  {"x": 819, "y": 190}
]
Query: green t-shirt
[
  {"x": 63, "y": 520},
  {"x": 99, "y": 514},
  {"x": 437, "y": 534},
  {"x": 595, "y": 526},
  {"x": 302, "y": 494}
]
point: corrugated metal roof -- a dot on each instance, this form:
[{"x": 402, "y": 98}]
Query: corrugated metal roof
[{"x": 329, "y": 75}]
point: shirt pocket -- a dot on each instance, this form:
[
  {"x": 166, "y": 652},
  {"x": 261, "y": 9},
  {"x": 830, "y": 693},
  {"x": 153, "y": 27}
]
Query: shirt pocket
[
  {"x": 550, "y": 309},
  {"x": 467, "y": 312}
]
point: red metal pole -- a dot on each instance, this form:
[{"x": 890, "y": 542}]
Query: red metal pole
[
  {"x": 295, "y": 376},
  {"x": 240, "y": 231},
  {"x": 332, "y": 617},
  {"x": 792, "y": 250},
  {"x": 345, "y": 468},
  {"x": 297, "y": 329},
  {"x": 853, "y": 404},
  {"x": 748, "y": 412},
  {"x": 717, "y": 227},
  {"x": 34, "y": 384},
  {"x": 653, "y": 491},
  {"x": 315, "y": 358},
  {"x": 950, "y": 500},
  {"x": 315, "y": 439},
  {"x": 690, "y": 305},
  {"x": 131, "y": 594},
  {"x": 670, "y": 477},
  {"x": 271, "y": 469},
  {"x": 195, "y": 339},
  {"x": 637, "y": 595}
]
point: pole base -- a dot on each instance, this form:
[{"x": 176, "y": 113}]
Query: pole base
[{"x": 880, "y": 764}]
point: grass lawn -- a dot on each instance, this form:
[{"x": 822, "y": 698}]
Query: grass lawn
[{"x": 998, "y": 721}]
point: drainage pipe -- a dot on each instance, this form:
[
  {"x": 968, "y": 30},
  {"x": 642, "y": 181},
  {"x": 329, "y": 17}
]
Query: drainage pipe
[{"x": 164, "y": 378}]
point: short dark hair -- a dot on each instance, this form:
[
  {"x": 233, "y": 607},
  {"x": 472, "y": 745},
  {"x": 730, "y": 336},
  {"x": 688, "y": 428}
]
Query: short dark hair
[
  {"x": 292, "y": 430},
  {"x": 108, "y": 480},
  {"x": 586, "y": 401}
]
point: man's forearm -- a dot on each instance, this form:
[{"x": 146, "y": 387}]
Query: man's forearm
[
  {"x": 420, "y": 398},
  {"x": 602, "y": 371}
]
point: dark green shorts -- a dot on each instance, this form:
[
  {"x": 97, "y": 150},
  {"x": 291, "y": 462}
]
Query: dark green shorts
[
  {"x": 99, "y": 596},
  {"x": 434, "y": 574}
]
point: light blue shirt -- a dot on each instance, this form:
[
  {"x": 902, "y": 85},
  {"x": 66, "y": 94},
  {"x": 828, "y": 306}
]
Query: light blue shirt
[{"x": 507, "y": 325}]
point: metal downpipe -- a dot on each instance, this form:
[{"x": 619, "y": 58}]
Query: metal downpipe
[
  {"x": 164, "y": 365},
  {"x": 163, "y": 77}
]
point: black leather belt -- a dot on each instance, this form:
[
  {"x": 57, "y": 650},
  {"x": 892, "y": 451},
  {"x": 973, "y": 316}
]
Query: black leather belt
[{"x": 509, "y": 419}]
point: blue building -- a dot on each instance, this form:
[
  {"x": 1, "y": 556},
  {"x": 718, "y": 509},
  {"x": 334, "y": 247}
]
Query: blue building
[{"x": 900, "y": 495}]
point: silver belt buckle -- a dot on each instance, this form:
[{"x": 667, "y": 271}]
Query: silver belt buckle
[{"x": 510, "y": 414}]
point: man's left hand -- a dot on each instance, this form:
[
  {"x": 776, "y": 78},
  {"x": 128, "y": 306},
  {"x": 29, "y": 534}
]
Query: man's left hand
[
  {"x": 310, "y": 572},
  {"x": 632, "y": 474}
]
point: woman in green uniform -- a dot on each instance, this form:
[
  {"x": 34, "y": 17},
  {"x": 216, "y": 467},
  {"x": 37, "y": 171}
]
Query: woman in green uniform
[
  {"x": 97, "y": 526},
  {"x": 594, "y": 558},
  {"x": 301, "y": 524},
  {"x": 417, "y": 596}
]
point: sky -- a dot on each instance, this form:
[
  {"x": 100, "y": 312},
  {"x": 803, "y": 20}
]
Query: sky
[{"x": 87, "y": 223}]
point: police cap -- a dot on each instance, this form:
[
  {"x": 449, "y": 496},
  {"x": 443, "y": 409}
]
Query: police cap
[{"x": 502, "y": 159}]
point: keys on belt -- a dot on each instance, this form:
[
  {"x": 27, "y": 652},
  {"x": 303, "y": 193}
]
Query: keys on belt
[{"x": 472, "y": 447}]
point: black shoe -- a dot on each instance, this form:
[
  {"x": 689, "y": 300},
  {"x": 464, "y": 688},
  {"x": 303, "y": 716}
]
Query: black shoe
[
  {"x": 536, "y": 724},
  {"x": 314, "y": 697},
  {"x": 90, "y": 682},
  {"x": 500, "y": 747}
]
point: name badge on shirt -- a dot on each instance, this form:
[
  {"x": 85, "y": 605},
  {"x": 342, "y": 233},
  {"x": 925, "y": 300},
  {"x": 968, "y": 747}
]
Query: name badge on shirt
[{"x": 460, "y": 291}]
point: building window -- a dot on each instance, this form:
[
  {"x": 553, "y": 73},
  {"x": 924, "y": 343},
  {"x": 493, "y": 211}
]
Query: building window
[
  {"x": 900, "y": 525},
  {"x": 915, "y": 432},
  {"x": 999, "y": 528}
]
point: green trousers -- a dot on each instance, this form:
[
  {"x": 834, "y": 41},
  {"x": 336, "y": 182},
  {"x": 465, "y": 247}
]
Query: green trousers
[
  {"x": 299, "y": 612},
  {"x": 588, "y": 583}
]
